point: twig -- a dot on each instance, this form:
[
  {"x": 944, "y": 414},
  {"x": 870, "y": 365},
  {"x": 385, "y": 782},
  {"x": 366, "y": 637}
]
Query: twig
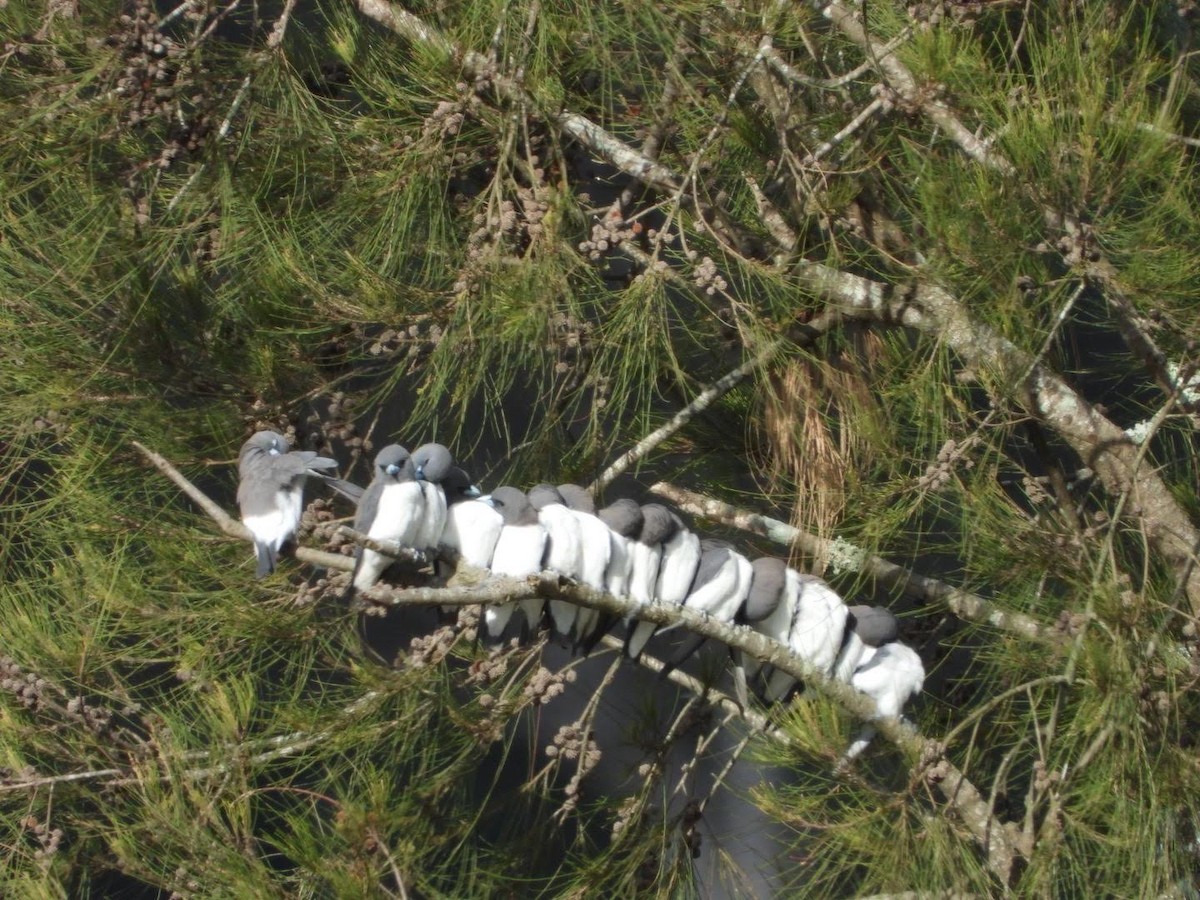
[
  {"x": 790, "y": 73},
  {"x": 879, "y": 104},
  {"x": 963, "y": 604},
  {"x": 703, "y": 401}
]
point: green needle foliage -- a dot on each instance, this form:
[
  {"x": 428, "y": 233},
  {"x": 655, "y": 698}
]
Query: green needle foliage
[{"x": 216, "y": 218}]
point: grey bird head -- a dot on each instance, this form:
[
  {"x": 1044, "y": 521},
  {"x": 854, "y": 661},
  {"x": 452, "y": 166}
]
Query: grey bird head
[
  {"x": 766, "y": 590},
  {"x": 657, "y": 524},
  {"x": 623, "y": 517},
  {"x": 433, "y": 462},
  {"x": 714, "y": 555},
  {"x": 260, "y": 445},
  {"x": 542, "y": 495},
  {"x": 514, "y": 506},
  {"x": 458, "y": 487},
  {"x": 874, "y": 625},
  {"x": 577, "y": 498},
  {"x": 393, "y": 463}
]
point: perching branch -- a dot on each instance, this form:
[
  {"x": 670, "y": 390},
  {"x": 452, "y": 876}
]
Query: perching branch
[
  {"x": 963, "y": 604},
  {"x": 956, "y": 790}
]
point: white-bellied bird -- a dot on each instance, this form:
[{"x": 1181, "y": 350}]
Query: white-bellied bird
[
  {"x": 391, "y": 509},
  {"x": 678, "y": 562},
  {"x": 518, "y": 552},
  {"x": 432, "y": 463},
  {"x": 893, "y": 676},
  {"x": 812, "y": 625},
  {"x": 472, "y": 523},
  {"x": 646, "y": 553},
  {"x": 564, "y": 554},
  {"x": 723, "y": 581},
  {"x": 271, "y": 492},
  {"x": 765, "y": 609},
  {"x": 595, "y": 550},
  {"x": 623, "y": 518}
]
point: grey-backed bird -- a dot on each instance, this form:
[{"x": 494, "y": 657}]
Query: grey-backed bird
[
  {"x": 893, "y": 676},
  {"x": 810, "y": 622},
  {"x": 867, "y": 629},
  {"x": 761, "y": 609},
  {"x": 432, "y": 463},
  {"x": 518, "y": 552},
  {"x": 623, "y": 518},
  {"x": 564, "y": 553},
  {"x": 471, "y": 530},
  {"x": 472, "y": 523},
  {"x": 595, "y": 549},
  {"x": 391, "y": 509},
  {"x": 271, "y": 492},
  {"x": 678, "y": 562},
  {"x": 646, "y": 553},
  {"x": 723, "y": 581}
]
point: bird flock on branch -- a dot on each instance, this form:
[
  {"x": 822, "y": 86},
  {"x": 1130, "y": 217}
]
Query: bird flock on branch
[{"x": 645, "y": 553}]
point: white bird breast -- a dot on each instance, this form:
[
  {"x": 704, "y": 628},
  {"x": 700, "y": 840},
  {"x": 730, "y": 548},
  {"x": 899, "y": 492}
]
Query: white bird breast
[
  {"x": 643, "y": 576},
  {"x": 680, "y": 559},
  {"x": 519, "y": 550},
  {"x": 275, "y": 527},
  {"x": 564, "y": 539},
  {"x": 596, "y": 550},
  {"x": 714, "y": 593},
  {"x": 892, "y": 677},
  {"x": 433, "y": 520},
  {"x": 399, "y": 513},
  {"x": 620, "y": 565},
  {"x": 473, "y": 528},
  {"x": 848, "y": 659},
  {"x": 818, "y": 623}
]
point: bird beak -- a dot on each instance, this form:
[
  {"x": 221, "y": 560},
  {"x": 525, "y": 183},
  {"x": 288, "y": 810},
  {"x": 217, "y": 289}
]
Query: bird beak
[
  {"x": 421, "y": 474},
  {"x": 393, "y": 470},
  {"x": 473, "y": 492},
  {"x": 486, "y": 498}
]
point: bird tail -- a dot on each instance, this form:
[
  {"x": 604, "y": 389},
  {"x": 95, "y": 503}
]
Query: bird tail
[
  {"x": 690, "y": 645},
  {"x": 347, "y": 489},
  {"x": 639, "y": 635},
  {"x": 266, "y": 559}
]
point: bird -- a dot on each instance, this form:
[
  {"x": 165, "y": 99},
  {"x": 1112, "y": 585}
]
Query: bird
[
  {"x": 470, "y": 533},
  {"x": 472, "y": 522},
  {"x": 271, "y": 492},
  {"x": 646, "y": 551},
  {"x": 723, "y": 581},
  {"x": 432, "y": 463},
  {"x": 677, "y": 566},
  {"x": 391, "y": 509},
  {"x": 595, "y": 552},
  {"x": 564, "y": 554},
  {"x": 867, "y": 628},
  {"x": 815, "y": 623},
  {"x": 891, "y": 677},
  {"x": 767, "y": 609},
  {"x": 623, "y": 518},
  {"x": 518, "y": 552}
]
